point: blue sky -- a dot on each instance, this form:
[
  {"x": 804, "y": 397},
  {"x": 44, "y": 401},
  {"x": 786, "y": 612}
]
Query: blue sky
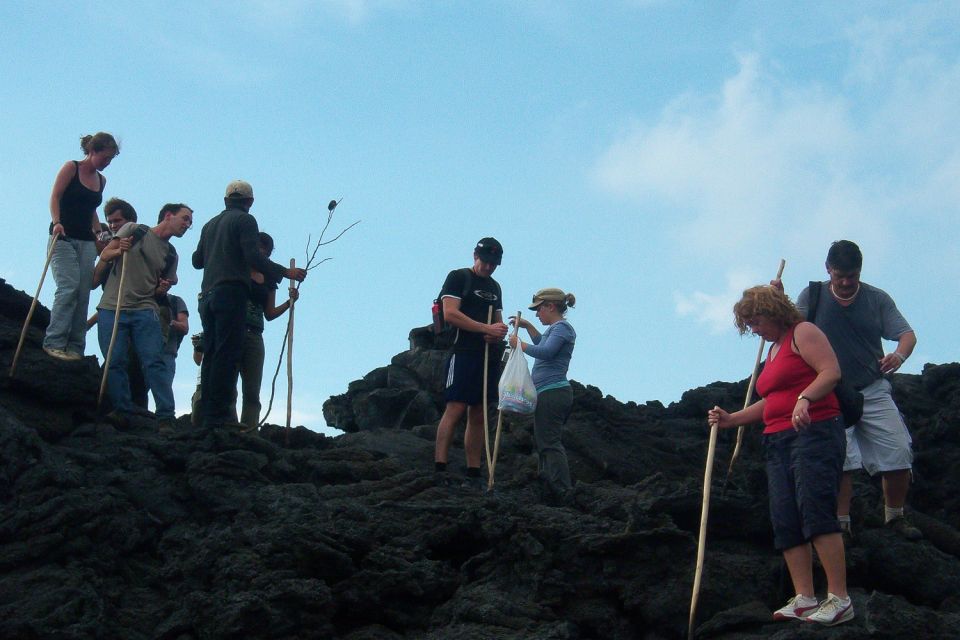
[{"x": 654, "y": 158}]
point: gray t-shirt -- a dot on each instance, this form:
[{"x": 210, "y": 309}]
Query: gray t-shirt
[
  {"x": 855, "y": 331},
  {"x": 174, "y": 307},
  {"x": 147, "y": 262}
]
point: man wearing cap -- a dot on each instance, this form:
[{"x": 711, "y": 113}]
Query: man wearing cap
[
  {"x": 464, "y": 387},
  {"x": 227, "y": 251}
]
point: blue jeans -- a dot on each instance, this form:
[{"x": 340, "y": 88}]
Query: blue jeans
[
  {"x": 142, "y": 327},
  {"x": 223, "y": 312},
  {"x": 169, "y": 370},
  {"x": 72, "y": 267}
]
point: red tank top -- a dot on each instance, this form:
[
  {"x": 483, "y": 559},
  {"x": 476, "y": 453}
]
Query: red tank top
[{"x": 784, "y": 377}]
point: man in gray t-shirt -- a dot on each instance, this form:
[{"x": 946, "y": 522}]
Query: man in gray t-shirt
[
  {"x": 856, "y": 317},
  {"x": 143, "y": 258}
]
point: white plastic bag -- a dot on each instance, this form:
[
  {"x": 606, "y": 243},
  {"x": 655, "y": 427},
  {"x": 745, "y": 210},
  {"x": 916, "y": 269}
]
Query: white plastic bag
[{"x": 517, "y": 392}]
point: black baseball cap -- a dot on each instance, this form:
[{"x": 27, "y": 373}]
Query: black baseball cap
[{"x": 489, "y": 250}]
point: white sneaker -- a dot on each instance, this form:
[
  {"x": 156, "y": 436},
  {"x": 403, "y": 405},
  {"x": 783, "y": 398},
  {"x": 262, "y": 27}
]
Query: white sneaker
[
  {"x": 832, "y": 611},
  {"x": 797, "y": 608}
]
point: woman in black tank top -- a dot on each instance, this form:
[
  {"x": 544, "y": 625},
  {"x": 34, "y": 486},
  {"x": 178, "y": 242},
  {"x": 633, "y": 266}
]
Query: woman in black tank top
[{"x": 77, "y": 192}]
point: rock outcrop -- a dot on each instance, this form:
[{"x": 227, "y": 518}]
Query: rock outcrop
[{"x": 215, "y": 534}]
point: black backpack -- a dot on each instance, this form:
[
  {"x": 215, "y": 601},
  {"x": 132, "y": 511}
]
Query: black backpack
[
  {"x": 440, "y": 326},
  {"x": 851, "y": 400}
]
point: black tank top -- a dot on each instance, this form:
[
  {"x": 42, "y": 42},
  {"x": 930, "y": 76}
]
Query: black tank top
[{"x": 77, "y": 206}]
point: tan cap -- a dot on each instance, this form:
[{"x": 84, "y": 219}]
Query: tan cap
[
  {"x": 239, "y": 189},
  {"x": 550, "y": 294}
]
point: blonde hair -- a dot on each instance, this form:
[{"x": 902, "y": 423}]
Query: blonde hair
[{"x": 768, "y": 302}]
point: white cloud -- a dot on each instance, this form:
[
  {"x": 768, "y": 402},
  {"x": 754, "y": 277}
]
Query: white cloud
[
  {"x": 755, "y": 157},
  {"x": 715, "y": 310},
  {"x": 766, "y": 165}
]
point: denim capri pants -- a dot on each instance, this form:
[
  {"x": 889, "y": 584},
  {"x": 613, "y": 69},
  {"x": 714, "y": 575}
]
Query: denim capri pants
[{"x": 803, "y": 477}]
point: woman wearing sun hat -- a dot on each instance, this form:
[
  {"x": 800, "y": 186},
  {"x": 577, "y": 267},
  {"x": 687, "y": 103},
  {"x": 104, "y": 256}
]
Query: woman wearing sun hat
[{"x": 552, "y": 351}]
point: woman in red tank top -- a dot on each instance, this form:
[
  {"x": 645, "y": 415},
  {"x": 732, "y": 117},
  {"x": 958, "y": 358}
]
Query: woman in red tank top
[{"x": 804, "y": 444}]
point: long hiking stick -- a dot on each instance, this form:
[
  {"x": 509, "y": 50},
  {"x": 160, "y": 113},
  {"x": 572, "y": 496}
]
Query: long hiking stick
[
  {"x": 707, "y": 480},
  {"x": 496, "y": 438},
  {"x": 293, "y": 265},
  {"x": 33, "y": 305},
  {"x": 702, "y": 544},
  {"x": 486, "y": 421},
  {"x": 113, "y": 334},
  {"x": 746, "y": 400}
]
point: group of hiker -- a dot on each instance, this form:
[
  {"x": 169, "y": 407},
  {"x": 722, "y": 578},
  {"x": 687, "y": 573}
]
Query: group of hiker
[
  {"x": 824, "y": 350},
  {"x": 826, "y": 354},
  {"x": 472, "y": 304},
  {"x": 136, "y": 265}
]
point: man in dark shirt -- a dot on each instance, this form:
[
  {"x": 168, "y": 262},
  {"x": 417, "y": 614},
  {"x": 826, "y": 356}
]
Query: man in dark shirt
[
  {"x": 227, "y": 251},
  {"x": 469, "y": 314}
]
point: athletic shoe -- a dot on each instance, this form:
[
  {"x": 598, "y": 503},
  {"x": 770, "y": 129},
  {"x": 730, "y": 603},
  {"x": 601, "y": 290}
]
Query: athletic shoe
[
  {"x": 797, "y": 608},
  {"x": 71, "y": 355},
  {"x": 846, "y": 531},
  {"x": 166, "y": 426},
  {"x": 118, "y": 419},
  {"x": 59, "y": 354},
  {"x": 473, "y": 484},
  {"x": 902, "y": 526},
  {"x": 832, "y": 611},
  {"x": 442, "y": 478}
]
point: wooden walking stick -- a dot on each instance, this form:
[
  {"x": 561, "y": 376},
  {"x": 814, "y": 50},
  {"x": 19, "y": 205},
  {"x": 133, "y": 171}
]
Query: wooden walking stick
[
  {"x": 486, "y": 367},
  {"x": 702, "y": 543},
  {"x": 496, "y": 438},
  {"x": 293, "y": 265},
  {"x": 707, "y": 480},
  {"x": 33, "y": 305},
  {"x": 746, "y": 401},
  {"x": 113, "y": 334}
]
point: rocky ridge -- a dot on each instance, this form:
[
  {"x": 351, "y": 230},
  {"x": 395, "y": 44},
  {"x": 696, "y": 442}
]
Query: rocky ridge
[{"x": 215, "y": 534}]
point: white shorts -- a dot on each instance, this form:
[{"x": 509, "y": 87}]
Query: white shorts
[{"x": 880, "y": 441}]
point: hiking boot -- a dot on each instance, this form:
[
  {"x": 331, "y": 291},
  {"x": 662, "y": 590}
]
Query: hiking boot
[
  {"x": 832, "y": 611},
  {"x": 118, "y": 419},
  {"x": 166, "y": 426},
  {"x": 901, "y": 526},
  {"x": 443, "y": 479},
  {"x": 74, "y": 356},
  {"x": 797, "y": 608},
  {"x": 230, "y": 425},
  {"x": 473, "y": 484},
  {"x": 59, "y": 354},
  {"x": 846, "y": 531}
]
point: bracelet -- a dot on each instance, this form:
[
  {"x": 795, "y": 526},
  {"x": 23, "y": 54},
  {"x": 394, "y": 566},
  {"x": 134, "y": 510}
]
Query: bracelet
[{"x": 902, "y": 357}]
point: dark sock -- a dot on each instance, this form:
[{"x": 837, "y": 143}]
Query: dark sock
[
  {"x": 439, "y": 466},
  {"x": 473, "y": 472}
]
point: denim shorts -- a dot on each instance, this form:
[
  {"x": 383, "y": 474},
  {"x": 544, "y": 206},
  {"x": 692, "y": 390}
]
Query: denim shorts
[
  {"x": 803, "y": 476},
  {"x": 465, "y": 377}
]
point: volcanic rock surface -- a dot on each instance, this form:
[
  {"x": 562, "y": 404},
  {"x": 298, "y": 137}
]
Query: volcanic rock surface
[{"x": 291, "y": 534}]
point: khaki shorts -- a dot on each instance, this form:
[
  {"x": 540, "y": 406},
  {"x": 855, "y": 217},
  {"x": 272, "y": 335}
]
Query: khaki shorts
[{"x": 880, "y": 441}]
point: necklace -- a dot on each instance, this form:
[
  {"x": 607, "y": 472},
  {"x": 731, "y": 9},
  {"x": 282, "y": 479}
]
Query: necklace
[{"x": 841, "y": 298}]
